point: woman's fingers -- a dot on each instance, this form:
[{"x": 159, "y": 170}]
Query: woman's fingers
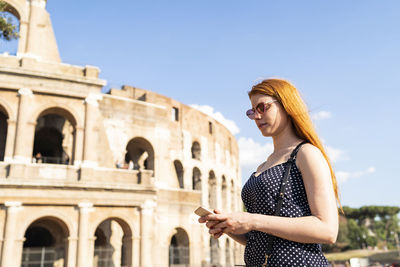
[
  {"x": 211, "y": 224},
  {"x": 216, "y": 236},
  {"x": 216, "y": 231}
]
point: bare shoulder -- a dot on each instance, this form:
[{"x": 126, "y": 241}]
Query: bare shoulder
[{"x": 310, "y": 159}]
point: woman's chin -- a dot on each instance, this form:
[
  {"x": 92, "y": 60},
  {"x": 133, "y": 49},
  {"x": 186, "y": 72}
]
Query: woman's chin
[{"x": 265, "y": 133}]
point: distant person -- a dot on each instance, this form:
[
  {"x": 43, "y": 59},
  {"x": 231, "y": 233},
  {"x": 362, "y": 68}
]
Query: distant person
[
  {"x": 38, "y": 158},
  {"x": 289, "y": 235},
  {"x": 131, "y": 165}
]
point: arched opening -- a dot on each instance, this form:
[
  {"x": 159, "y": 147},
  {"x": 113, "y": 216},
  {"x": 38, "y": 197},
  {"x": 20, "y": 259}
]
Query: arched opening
[
  {"x": 214, "y": 251},
  {"x": 3, "y": 132},
  {"x": 112, "y": 244},
  {"x": 179, "y": 173},
  {"x": 9, "y": 44},
  {"x": 196, "y": 150},
  {"x": 224, "y": 192},
  {"x": 179, "y": 251},
  {"x": 196, "y": 179},
  {"x": 212, "y": 190},
  {"x": 54, "y": 137},
  {"x": 139, "y": 154},
  {"x": 45, "y": 243}
]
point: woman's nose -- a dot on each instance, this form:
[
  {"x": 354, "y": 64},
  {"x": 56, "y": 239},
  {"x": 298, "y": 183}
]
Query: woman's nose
[{"x": 257, "y": 116}]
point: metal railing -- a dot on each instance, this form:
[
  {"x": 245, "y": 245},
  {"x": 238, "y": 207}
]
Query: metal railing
[
  {"x": 42, "y": 257},
  {"x": 179, "y": 256},
  {"x": 51, "y": 160},
  {"x": 103, "y": 256}
]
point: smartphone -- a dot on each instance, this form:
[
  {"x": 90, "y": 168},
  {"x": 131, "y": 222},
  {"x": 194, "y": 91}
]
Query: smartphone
[{"x": 202, "y": 211}]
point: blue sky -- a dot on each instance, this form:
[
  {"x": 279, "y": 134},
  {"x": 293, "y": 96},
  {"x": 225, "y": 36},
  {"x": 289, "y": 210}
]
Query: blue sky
[{"x": 344, "y": 57}]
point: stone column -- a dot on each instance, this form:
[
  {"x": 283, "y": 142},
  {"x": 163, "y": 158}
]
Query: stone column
[
  {"x": 23, "y": 31},
  {"x": 136, "y": 251},
  {"x": 8, "y": 153},
  {"x": 83, "y": 235},
  {"x": 147, "y": 229},
  {"x": 90, "y": 253},
  {"x": 90, "y": 138},
  {"x": 71, "y": 260},
  {"x": 18, "y": 249},
  {"x": 9, "y": 245},
  {"x": 136, "y": 238},
  {"x": 22, "y": 153},
  {"x": 78, "y": 153}
]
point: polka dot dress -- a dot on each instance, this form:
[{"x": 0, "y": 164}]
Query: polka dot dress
[{"x": 260, "y": 195}]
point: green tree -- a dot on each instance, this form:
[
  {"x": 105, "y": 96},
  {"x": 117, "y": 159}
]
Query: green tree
[{"x": 8, "y": 30}]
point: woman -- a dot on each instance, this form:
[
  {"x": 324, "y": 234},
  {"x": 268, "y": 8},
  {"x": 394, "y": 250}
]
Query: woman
[{"x": 308, "y": 215}]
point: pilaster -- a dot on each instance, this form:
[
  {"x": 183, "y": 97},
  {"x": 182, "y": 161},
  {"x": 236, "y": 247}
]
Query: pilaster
[
  {"x": 147, "y": 229},
  {"x": 83, "y": 234},
  {"x": 22, "y": 152},
  {"x": 90, "y": 136},
  {"x": 10, "y": 242}
]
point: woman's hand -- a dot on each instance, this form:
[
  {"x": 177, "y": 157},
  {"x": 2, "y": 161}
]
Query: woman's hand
[
  {"x": 210, "y": 224},
  {"x": 235, "y": 223}
]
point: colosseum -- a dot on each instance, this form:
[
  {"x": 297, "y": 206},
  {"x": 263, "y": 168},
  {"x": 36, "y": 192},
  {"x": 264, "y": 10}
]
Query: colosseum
[{"x": 104, "y": 179}]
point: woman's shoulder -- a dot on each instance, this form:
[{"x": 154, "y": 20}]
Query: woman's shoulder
[{"x": 310, "y": 156}]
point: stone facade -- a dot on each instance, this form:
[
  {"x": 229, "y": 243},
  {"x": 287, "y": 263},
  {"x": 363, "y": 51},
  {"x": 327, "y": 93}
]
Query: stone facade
[{"x": 93, "y": 179}]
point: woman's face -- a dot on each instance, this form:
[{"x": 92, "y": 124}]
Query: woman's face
[{"x": 274, "y": 119}]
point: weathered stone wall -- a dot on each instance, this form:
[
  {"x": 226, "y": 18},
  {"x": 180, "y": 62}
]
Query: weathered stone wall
[{"x": 146, "y": 199}]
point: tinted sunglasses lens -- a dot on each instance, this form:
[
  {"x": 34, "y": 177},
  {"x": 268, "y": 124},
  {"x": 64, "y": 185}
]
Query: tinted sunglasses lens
[
  {"x": 250, "y": 113},
  {"x": 260, "y": 108}
]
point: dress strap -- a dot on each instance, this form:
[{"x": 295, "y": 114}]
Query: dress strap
[{"x": 294, "y": 152}]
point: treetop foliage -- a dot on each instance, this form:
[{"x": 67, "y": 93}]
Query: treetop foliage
[
  {"x": 370, "y": 212},
  {"x": 8, "y": 30}
]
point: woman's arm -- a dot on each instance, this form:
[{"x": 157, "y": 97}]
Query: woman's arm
[
  {"x": 320, "y": 227},
  {"x": 241, "y": 239}
]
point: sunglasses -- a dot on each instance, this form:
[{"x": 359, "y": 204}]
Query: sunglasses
[{"x": 260, "y": 109}]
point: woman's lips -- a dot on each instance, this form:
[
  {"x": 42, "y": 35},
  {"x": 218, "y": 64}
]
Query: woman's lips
[{"x": 261, "y": 125}]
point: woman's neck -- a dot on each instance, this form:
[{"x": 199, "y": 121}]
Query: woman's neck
[{"x": 285, "y": 139}]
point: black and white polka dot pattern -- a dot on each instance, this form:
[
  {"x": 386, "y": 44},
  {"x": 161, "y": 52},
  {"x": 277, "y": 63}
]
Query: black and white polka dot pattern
[{"x": 260, "y": 195}]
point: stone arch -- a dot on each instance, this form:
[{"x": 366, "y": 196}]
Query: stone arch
[
  {"x": 17, "y": 8},
  {"x": 55, "y": 136},
  {"x": 6, "y": 109},
  {"x": 58, "y": 216},
  {"x": 113, "y": 242},
  {"x": 196, "y": 150},
  {"x": 118, "y": 217},
  {"x": 12, "y": 10},
  {"x": 179, "y": 248},
  {"x": 179, "y": 173},
  {"x": 61, "y": 110},
  {"x": 46, "y": 238},
  {"x": 196, "y": 179},
  {"x": 212, "y": 190},
  {"x": 140, "y": 151}
]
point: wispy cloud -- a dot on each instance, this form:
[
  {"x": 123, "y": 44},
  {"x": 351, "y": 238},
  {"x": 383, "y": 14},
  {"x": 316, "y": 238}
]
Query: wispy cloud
[
  {"x": 231, "y": 125},
  {"x": 345, "y": 176},
  {"x": 321, "y": 115},
  {"x": 251, "y": 153},
  {"x": 336, "y": 154}
]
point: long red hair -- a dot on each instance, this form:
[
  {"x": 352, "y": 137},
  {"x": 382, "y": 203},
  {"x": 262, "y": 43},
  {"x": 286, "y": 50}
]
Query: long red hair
[{"x": 287, "y": 94}]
